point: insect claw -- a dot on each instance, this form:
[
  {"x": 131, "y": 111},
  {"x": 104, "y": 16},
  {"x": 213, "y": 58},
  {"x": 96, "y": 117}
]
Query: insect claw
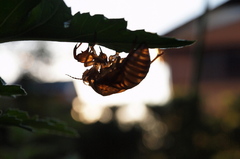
[
  {"x": 78, "y": 45},
  {"x": 100, "y": 48}
]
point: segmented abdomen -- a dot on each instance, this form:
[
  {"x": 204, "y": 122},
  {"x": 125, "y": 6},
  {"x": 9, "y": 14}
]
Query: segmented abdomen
[
  {"x": 124, "y": 75},
  {"x": 135, "y": 67}
]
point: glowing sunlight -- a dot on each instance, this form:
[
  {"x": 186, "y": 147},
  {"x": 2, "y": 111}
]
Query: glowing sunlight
[{"x": 154, "y": 89}]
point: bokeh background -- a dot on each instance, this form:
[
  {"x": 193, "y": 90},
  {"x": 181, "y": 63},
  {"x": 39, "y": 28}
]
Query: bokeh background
[{"x": 187, "y": 107}]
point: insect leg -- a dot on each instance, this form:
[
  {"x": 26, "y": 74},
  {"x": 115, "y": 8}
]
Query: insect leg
[
  {"x": 160, "y": 53},
  {"x": 75, "y": 50}
]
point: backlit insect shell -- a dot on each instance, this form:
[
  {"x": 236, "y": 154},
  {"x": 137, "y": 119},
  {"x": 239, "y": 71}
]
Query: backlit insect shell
[{"x": 125, "y": 75}]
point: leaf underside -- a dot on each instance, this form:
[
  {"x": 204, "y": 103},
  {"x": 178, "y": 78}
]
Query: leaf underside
[
  {"x": 51, "y": 20},
  {"x": 18, "y": 118}
]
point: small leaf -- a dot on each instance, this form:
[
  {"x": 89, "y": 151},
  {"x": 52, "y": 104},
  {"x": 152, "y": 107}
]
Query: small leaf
[
  {"x": 2, "y": 82},
  {"x": 10, "y": 90},
  {"x": 14, "y": 117}
]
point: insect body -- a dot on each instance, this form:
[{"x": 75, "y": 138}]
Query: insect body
[{"x": 115, "y": 74}]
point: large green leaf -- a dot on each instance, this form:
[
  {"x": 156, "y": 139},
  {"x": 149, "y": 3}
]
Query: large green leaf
[
  {"x": 52, "y": 20},
  {"x": 14, "y": 117}
]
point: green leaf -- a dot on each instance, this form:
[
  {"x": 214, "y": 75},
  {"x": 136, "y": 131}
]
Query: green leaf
[
  {"x": 10, "y": 90},
  {"x": 14, "y": 117},
  {"x": 52, "y": 20}
]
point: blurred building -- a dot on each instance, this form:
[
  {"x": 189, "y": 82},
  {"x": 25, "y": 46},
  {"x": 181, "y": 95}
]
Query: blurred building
[{"x": 217, "y": 36}]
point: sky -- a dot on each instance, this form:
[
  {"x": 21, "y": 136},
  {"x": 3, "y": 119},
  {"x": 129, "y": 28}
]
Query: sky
[{"x": 158, "y": 16}]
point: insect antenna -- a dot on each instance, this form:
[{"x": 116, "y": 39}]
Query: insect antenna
[{"x": 74, "y": 77}]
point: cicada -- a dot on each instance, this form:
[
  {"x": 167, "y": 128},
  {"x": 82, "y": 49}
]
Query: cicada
[{"x": 114, "y": 74}]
